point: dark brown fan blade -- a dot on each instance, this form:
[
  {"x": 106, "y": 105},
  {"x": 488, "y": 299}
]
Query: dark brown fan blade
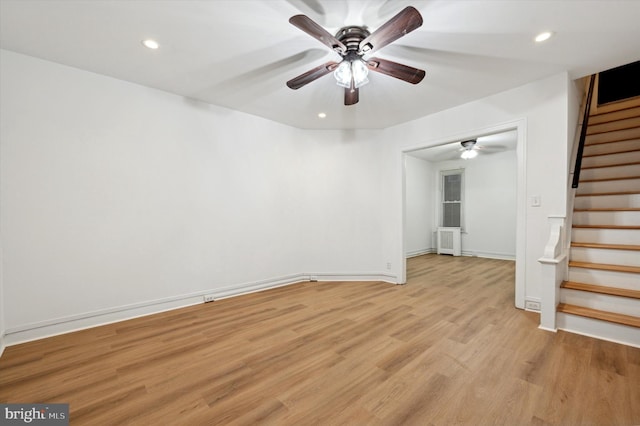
[
  {"x": 316, "y": 31},
  {"x": 403, "y": 23},
  {"x": 394, "y": 69},
  {"x": 351, "y": 95},
  {"x": 311, "y": 75}
]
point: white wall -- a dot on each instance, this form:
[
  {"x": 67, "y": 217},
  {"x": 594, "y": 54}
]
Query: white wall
[
  {"x": 120, "y": 200},
  {"x": 340, "y": 235},
  {"x": 489, "y": 209},
  {"x": 541, "y": 109},
  {"x": 2, "y": 298},
  {"x": 2, "y": 301},
  {"x": 420, "y": 206}
]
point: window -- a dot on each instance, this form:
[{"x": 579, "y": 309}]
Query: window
[{"x": 452, "y": 198}]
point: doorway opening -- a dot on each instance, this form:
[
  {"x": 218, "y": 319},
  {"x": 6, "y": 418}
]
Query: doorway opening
[{"x": 491, "y": 204}]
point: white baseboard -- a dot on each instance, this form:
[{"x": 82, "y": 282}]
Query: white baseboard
[
  {"x": 489, "y": 255},
  {"x": 2, "y": 346},
  {"x": 68, "y": 324},
  {"x": 416, "y": 253},
  {"x": 63, "y": 325},
  {"x": 384, "y": 277},
  {"x": 252, "y": 287}
]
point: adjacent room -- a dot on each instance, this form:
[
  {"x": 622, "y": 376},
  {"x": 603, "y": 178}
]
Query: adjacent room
[
  {"x": 234, "y": 212},
  {"x": 482, "y": 201}
]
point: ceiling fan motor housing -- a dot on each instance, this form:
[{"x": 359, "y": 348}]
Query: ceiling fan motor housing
[
  {"x": 468, "y": 144},
  {"x": 351, "y": 37}
]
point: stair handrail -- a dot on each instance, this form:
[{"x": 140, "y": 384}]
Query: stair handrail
[{"x": 583, "y": 133}]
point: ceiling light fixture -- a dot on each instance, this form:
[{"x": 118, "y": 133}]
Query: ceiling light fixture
[
  {"x": 348, "y": 70},
  {"x": 322, "y": 115},
  {"x": 151, "y": 44},
  {"x": 543, "y": 36},
  {"x": 469, "y": 154},
  {"x": 468, "y": 151},
  {"x": 352, "y": 43}
]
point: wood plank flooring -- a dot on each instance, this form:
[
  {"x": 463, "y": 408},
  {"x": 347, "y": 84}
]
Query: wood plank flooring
[{"x": 447, "y": 348}]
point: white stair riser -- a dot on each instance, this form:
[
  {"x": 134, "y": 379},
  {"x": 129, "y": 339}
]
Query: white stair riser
[
  {"x": 607, "y": 256},
  {"x": 602, "y": 302},
  {"x": 606, "y": 160},
  {"x": 625, "y": 123},
  {"x": 609, "y": 186},
  {"x": 607, "y": 218},
  {"x": 600, "y": 329},
  {"x": 610, "y": 172},
  {"x": 612, "y": 139},
  {"x": 615, "y": 115},
  {"x": 605, "y": 278},
  {"x": 607, "y": 201},
  {"x": 603, "y": 148},
  {"x": 606, "y": 236},
  {"x": 613, "y": 136}
]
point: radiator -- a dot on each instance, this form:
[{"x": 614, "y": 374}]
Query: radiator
[{"x": 449, "y": 241}]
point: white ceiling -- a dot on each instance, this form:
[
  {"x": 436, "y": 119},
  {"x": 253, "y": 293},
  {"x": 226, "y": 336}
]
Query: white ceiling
[{"x": 240, "y": 53}]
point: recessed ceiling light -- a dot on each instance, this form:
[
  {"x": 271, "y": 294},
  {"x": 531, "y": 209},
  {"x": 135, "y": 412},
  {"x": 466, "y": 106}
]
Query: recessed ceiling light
[
  {"x": 543, "y": 36},
  {"x": 151, "y": 44},
  {"x": 322, "y": 115}
]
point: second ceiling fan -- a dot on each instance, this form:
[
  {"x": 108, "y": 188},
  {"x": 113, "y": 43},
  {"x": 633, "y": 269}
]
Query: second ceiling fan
[{"x": 353, "y": 43}]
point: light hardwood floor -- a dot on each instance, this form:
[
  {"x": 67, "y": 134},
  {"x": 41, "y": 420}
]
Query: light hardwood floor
[{"x": 447, "y": 348}]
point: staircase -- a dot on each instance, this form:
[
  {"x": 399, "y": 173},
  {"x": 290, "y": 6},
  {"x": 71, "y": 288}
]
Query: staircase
[{"x": 601, "y": 298}]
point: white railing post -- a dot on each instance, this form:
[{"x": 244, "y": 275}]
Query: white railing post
[{"x": 553, "y": 263}]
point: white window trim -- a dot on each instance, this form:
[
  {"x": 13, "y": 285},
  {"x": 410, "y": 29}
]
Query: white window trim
[{"x": 440, "y": 194}]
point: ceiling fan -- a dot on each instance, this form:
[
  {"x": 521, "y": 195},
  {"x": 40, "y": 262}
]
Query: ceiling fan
[
  {"x": 353, "y": 44},
  {"x": 470, "y": 149}
]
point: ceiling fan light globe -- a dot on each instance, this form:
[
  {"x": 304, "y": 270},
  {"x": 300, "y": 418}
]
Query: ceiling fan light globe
[
  {"x": 469, "y": 154},
  {"x": 343, "y": 74},
  {"x": 360, "y": 83},
  {"x": 359, "y": 71}
]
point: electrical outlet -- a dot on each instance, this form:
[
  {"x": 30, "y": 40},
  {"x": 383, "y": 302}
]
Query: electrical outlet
[
  {"x": 208, "y": 298},
  {"x": 532, "y": 305},
  {"x": 388, "y": 265}
]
